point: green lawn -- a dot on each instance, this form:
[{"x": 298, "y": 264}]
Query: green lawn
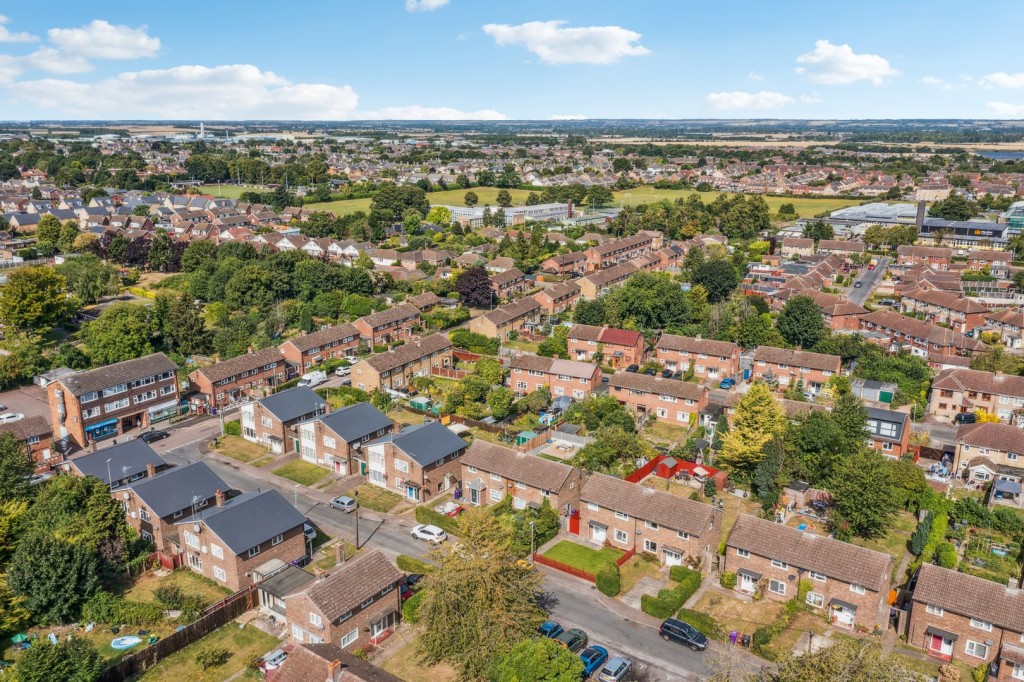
[
  {"x": 230, "y": 191},
  {"x": 894, "y": 542},
  {"x": 663, "y": 431},
  {"x": 375, "y": 498},
  {"x": 302, "y": 472},
  {"x": 805, "y": 207},
  {"x": 240, "y": 449},
  {"x": 243, "y": 643},
  {"x": 582, "y": 557},
  {"x": 183, "y": 578}
]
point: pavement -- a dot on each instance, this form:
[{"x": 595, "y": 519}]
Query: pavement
[{"x": 869, "y": 279}]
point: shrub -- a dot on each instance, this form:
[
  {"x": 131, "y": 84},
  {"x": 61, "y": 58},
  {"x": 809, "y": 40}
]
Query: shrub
[
  {"x": 920, "y": 536},
  {"x": 688, "y": 579},
  {"x": 608, "y": 580},
  {"x": 946, "y": 556},
  {"x": 442, "y": 521},
  {"x": 763, "y": 636},
  {"x": 703, "y": 623},
  {"x": 710, "y": 489},
  {"x": 169, "y": 596},
  {"x": 412, "y": 564},
  {"x": 411, "y": 608},
  {"x": 212, "y": 658},
  {"x": 191, "y": 608},
  {"x": 107, "y": 608},
  {"x": 233, "y": 428},
  {"x": 656, "y": 606},
  {"x": 728, "y": 580}
]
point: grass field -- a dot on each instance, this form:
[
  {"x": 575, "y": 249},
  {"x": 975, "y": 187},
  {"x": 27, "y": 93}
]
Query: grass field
[
  {"x": 243, "y": 643},
  {"x": 375, "y": 498},
  {"x": 406, "y": 665},
  {"x": 230, "y": 191},
  {"x": 302, "y": 472},
  {"x": 582, "y": 557},
  {"x": 186, "y": 580},
  {"x": 240, "y": 449}
]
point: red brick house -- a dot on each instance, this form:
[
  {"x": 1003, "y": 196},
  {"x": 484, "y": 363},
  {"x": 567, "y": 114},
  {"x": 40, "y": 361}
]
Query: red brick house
[
  {"x": 960, "y": 313},
  {"x": 850, "y": 583},
  {"x": 328, "y": 662},
  {"x": 270, "y": 421},
  {"x": 668, "y": 400},
  {"x": 309, "y": 350},
  {"x": 398, "y": 367},
  {"x": 790, "y": 366},
  {"x": 509, "y": 284},
  {"x": 711, "y": 360},
  {"x": 490, "y": 472},
  {"x": 576, "y": 380},
  {"x": 565, "y": 263},
  {"x": 619, "y": 348},
  {"x": 558, "y": 298},
  {"x": 336, "y": 440},
  {"x": 888, "y": 431},
  {"x": 35, "y": 435},
  {"x": 934, "y": 256},
  {"x": 961, "y": 390},
  {"x": 418, "y": 462},
  {"x": 389, "y": 326},
  {"x": 620, "y": 251},
  {"x": 250, "y": 375},
  {"x": 501, "y": 322},
  {"x": 917, "y": 337}
]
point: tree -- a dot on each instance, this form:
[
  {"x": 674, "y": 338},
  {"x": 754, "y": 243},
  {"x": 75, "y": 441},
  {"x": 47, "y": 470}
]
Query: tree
[
  {"x": 851, "y": 660},
  {"x": 766, "y": 476},
  {"x": 589, "y": 312},
  {"x": 439, "y": 215},
  {"x": 15, "y": 469},
  {"x": 33, "y": 299},
  {"x": 756, "y": 421},
  {"x": 89, "y": 278},
  {"x": 864, "y": 497},
  {"x": 850, "y": 415},
  {"x": 72, "y": 660},
  {"x": 998, "y": 360},
  {"x": 185, "y": 329},
  {"x": 954, "y": 207},
  {"x": 471, "y": 199},
  {"x": 817, "y": 230},
  {"x": 69, "y": 233},
  {"x": 124, "y": 331},
  {"x": 159, "y": 255},
  {"x": 474, "y": 287},
  {"x": 755, "y": 330},
  {"x": 381, "y": 400},
  {"x": 490, "y": 370},
  {"x": 500, "y": 401},
  {"x": 480, "y": 600},
  {"x": 718, "y": 277},
  {"x": 504, "y": 199},
  {"x": 55, "y": 575},
  {"x": 538, "y": 660},
  {"x": 801, "y": 323},
  {"x": 48, "y": 229},
  {"x": 600, "y": 196}
]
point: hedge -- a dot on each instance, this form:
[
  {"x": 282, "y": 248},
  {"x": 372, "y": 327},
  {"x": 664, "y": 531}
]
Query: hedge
[
  {"x": 411, "y": 608},
  {"x": 608, "y": 580},
  {"x": 688, "y": 579},
  {"x": 444, "y": 522},
  {"x": 703, "y": 623},
  {"x": 233, "y": 428},
  {"x": 412, "y": 564},
  {"x": 669, "y": 601},
  {"x": 656, "y": 606},
  {"x": 728, "y": 580}
]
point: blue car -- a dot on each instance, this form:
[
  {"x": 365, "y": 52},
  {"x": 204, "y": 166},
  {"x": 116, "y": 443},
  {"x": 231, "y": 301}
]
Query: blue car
[
  {"x": 550, "y": 629},
  {"x": 727, "y": 383},
  {"x": 593, "y": 658}
]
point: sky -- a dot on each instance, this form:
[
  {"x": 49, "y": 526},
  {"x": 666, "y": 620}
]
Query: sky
[{"x": 498, "y": 59}]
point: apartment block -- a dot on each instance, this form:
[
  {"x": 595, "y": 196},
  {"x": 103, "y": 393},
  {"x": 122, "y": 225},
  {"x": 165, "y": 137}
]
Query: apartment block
[
  {"x": 668, "y": 400},
  {"x": 397, "y": 368}
]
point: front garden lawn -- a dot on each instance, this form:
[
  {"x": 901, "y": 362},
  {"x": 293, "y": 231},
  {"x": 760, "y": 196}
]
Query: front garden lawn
[
  {"x": 375, "y": 498},
  {"x": 240, "y": 449},
  {"x": 582, "y": 557},
  {"x": 301, "y": 472}
]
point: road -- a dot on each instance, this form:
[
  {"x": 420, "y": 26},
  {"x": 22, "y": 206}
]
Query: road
[{"x": 869, "y": 279}]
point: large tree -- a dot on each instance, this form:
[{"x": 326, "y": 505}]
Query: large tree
[
  {"x": 124, "y": 331},
  {"x": 718, "y": 277},
  {"x": 184, "y": 328},
  {"x": 954, "y": 207},
  {"x": 850, "y": 660},
  {"x": 538, "y": 659},
  {"x": 480, "y": 601},
  {"x": 850, "y": 416},
  {"x": 15, "y": 469},
  {"x": 864, "y": 495},
  {"x": 757, "y": 419},
  {"x": 474, "y": 287},
  {"x": 89, "y": 278},
  {"x": 33, "y": 299},
  {"x": 70, "y": 660},
  {"x": 55, "y": 575},
  {"x": 801, "y": 323}
]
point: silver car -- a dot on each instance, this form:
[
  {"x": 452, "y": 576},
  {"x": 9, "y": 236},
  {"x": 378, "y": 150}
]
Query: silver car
[
  {"x": 615, "y": 670},
  {"x": 344, "y": 503}
]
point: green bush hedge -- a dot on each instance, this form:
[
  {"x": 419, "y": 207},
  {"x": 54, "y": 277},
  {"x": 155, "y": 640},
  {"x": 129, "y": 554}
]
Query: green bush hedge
[
  {"x": 608, "y": 580},
  {"x": 669, "y": 601},
  {"x": 233, "y": 428},
  {"x": 728, "y": 580},
  {"x": 688, "y": 579},
  {"x": 442, "y": 521},
  {"x": 411, "y": 608},
  {"x": 656, "y": 606},
  {"x": 703, "y": 623},
  {"x": 412, "y": 564},
  {"x": 109, "y": 609}
]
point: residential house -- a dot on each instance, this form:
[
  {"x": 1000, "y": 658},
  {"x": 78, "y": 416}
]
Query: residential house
[
  {"x": 510, "y": 318},
  {"x": 500, "y": 264},
  {"x": 419, "y": 462},
  {"x": 710, "y": 360},
  {"x": 604, "y": 281},
  {"x": 270, "y": 421},
  {"x": 354, "y": 605},
  {"x": 620, "y": 251},
  {"x": 788, "y": 367},
  {"x": 888, "y": 431},
  {"x": 958, "y": 616},
  {"x": 425, "y": 302},
  {"x": 842, "y": 248},
  {"x": 960, "y": 390},
  {"x": 839, "y": 314},
  {"x": 917, "y": 337},
  {"x": 576, "y": 380},
  {"x": 848, "y": 583},
  {"x": 109, "y": 401},
  {"x": 618, "y": 348},
  {"x": 490, "y": 472},
  {"x": 328, "y": 662},
  {"x": 389, "y": 326},
  {"x": 308, "y": 350},
  {"x": 245, "y": 376},
  {"x": 669, "y": 400},
  {"x": 797, "y": 246},
  {"x": 558, "y": 298},
  {"x": 509, "y": 284},
  {"x": 229, "y": 541},
  {"x": 333, "y": 440},
  {"x": 397, "y": 368},
  {"x": 35, "y": 435},
  {"x": 1008, "y": 324},
  {"x": 119, "y": 465},
  {"x": 987, "y": 451},
  {"x": 956, "y": 311},
  {"x": 565, "y": 263},
  {"x": 996, "y": 262},
  {"x": 627, "y": 516},
  {"x": 937, "y": 257}
]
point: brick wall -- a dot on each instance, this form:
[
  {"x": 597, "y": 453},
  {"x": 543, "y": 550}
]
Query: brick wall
[
  {"x": 959, "y": 625},
  {"x": 238, "y": 569},
  {"x": 298, "y": 608}
]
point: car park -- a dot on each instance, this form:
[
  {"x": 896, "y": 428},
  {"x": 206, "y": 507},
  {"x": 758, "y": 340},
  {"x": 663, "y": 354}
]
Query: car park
[
  {"x": 153, "y": 436},
  {"x": 573, "y": 639},
  {"x": 615, "y": 670},
  {"x": 549, "y": 629},
  {"x": 344, "y": 503},
  {"x": 593, "y": 658},
  {"x": 681, "y": 632},
  {"x": 429, "y": 533}
]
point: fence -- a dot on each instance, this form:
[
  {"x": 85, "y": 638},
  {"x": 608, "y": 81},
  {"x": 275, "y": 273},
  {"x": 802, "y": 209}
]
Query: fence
[
  {"x": 645, "y": 471},
  {"x": 465, "y": 355},
  {"x": 626, "y": 557},
  {"x": 566, "y": 568},
  {"x": 447, "y": 373},
  {"x": 571, "y": 438},
  {"x": 214, "y": 617},
  {"x": 535, "y": 442}
]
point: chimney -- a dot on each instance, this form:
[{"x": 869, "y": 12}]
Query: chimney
[
  {"x": 219, "y": 498},
  {"x": 919, "y": 220},
  {"x": 569, "y": 210},
  {"x": 999, "y": 374},
  {"x": 334, "y": 671},
  {"x": 697, "y": 337},
  {"x": 319, "y": 573},
  {"x": 799, "y": 348},
  {"x": 150, "y": 469}
]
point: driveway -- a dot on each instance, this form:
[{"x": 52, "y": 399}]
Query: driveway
[{"x": 869, "y": 279}]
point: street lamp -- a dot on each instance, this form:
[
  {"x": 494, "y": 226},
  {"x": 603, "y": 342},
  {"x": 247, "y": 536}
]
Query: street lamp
[
  {"x": 356, "y": 511},
  {"x": 296, "y": 491},
  {"x": 531, "y": 542},
  {"x": 110, "y": 479}
]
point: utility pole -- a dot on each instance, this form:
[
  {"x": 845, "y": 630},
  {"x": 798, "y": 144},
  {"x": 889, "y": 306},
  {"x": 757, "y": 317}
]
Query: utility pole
[{"x": 356, "y": 512}]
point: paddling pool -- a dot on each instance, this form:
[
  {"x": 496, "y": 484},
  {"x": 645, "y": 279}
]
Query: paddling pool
[{"x": 125, "y": 642}]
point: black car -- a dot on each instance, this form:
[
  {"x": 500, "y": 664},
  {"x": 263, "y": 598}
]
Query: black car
[
  {"x": 153, "y": 436},
  {"x": 666, "y": 374},
  {"x": 965, "y": 418},
  {"x": 413, "y": 578},
  {"x": 650, "y": 372},
  {"x": 675, "y": 630},
  {"x": 633, "y": 368}
]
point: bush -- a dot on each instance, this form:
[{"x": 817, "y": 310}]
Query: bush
[
  {"x": 412, "y": 564},
  {"x": 233, "y": 428},
  {"x": 763, "y": 636},
  {"x": 411, "y": 608},
  {"x": 920, "y": 536},
  {"x": 212, "y": 658},
  {"x": 703, "y": 623},
  {"x": 608, "y": 580},
  {"x": 445, "y": 523},
  {"x": 191, "y": 608},
  {"x": 728, "y": 580},
  {"x": 946, "y": 556},
  {"x": 169, "y": 596},
  {"x": 473, "y": 342},
  {"x": 656, "y": 606},
  {"x": 107, "y": 608},
  {"x": 688, "y": 579}
]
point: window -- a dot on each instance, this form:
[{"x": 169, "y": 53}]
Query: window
[
  {"x": 89, "y": 397},
  {"x": 191, "y": 540},
  {"x": 345, "y": 617},
  {"x": 742, "y": 552},
  {"x": 277, "y": 539},
  {"x": 220, "y": 574},
  {"x": 1018, "y": 671},
  {"x": 266, "y": 422},
  {"x": 254, "y": 551},
  {"x": 779, "y": 564},
  {"x": 976, "y": 649},
  {"x": 349, "y": 638},
  {"x": 329, "y": 442},
  {"x": 401, "y": 465},
  {"x": 144, "y": 515},
  {"x": 682, "y": 536},
  {"x": 981, "y": 624},
  {"x": 777, "y": 586},
  {"x": 651, "y": 525},
  {"x": 593, "y": 506},
  {"x": 495, "y": 477},
  {"x": 934, "y": 610},
  {"x": 816, "y": 600},
  {"x": 471, "y": 470},
  {"x": 820, "y": 577},
  {"x": 495, "y": 495},
  {"x": 116, "y": 405},
  {"x": 216, "y": 551},
  {"x": 114, "y": 390},
  {"x": 857, "y": 589},
  {"x": 621, "y": 536},
  {"x": 650, "y": 546},
  {"x": 621, "y": 516}
]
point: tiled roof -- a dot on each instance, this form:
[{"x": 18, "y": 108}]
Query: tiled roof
[
  {"x": 585, "y": 332},
  {"x": 980, "y": 381},
  {"x": 690, "y": 344},
  {"x": 833, "y": 558},
  {"x": 26, "y": 428},
  {"x": 840, "y": 245},
  {"x": 118, "y": 373},
  {"x": 531, "y": 470},
  {"x": 620, "y": 337},
  {"x": 946, "y": 299},
  {"x": 323, "y": 337},
  {"x": 797, "y": 358},
  {"x": 641, "y": 502},
  {"x": 512, "y": 311},
  {"x": 251, "y": 519},
  {"x": 409, "y": 352},
  {"x": 241, "y": 363},
  {"x": 352, "y": 583},
  {"x": 636, "y": 381},
  {"x": 312, "y": 662},
  {"x": 562, "y": 289},
  {"x": 925, "y": 251},
  {"x": 507, "y": 277},
  {"x": 612, "y": 274},
  {"x": 384, "y": 317},
  {"x": 970, "y": 596},
  {"x": 1003, "y": 437}
]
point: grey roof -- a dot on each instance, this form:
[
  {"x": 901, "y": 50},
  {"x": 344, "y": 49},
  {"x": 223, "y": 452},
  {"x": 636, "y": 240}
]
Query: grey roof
[
  {"x": 135, "y": 454},
  {"x": 900, "y": 419},
  {"x": 293, "y": 403},
  {"x": 252, "y": 518},
  {"x": 288, "y": 580},
  {"x": 428, "y": 443},
  {"x": 355, "y": 421},
  {"x": 175, "y": 489},
  {"x": 118, "y": 373}
]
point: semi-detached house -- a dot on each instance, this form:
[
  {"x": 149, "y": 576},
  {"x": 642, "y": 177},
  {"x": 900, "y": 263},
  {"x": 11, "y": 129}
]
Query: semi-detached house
[
  {"x": 618, "y": 348},
  {"x": 791, "y": 366},
  {"x": 389, "y": 326},
  {"x": 986, "y": 451},
  {"x": 669, "y": 400},
  {"x": 336, "y": 440},
  {"x": 251, "y": 375},
  {"x": 492, "y": 472},
  {"x": 269, "y": 421},
  {"x": 960, "y": 391},
  {"x": 576, "y": 380},
  {"x": 711, "y": 360},
  {"x": 418, "y": 462},
  {"x": 397, "y": 368}
]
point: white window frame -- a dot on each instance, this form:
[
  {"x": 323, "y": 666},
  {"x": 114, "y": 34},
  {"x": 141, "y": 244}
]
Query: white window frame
[
  {"x": 252, "y": 553},
  {"x": 772, "y": 584},
  {"x": 820, "y": 577},
  {"x": 315, "y": 619},
  {"x": 593, "y": 506},
  {"x": 815, "y": 599},
  {"x": 349, "y": 638},
  {"x": 622, "y": 516},
  {"x": 971, "y": 648},
  {"x": 650, "y": 545},
  {"x": 220, "y": 574},
  {"x": 780, "y": 564},
  {"x": 621, "y": 536},
  {"x": 979, "y": 624},
  {"x": 216, "y": 551},
  {"x": 857, "y": 589},
  {"x": 742, "y": 553}
]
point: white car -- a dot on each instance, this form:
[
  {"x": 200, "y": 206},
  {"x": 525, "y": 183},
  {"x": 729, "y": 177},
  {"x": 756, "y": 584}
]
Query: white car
[
  {"x": 8, "y": 417},
  {"x": 342, "y": 371},
  {"x": 431, "y": 534}
]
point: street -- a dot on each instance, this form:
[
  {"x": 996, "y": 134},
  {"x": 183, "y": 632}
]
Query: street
[{"x": 869, "y": 279}]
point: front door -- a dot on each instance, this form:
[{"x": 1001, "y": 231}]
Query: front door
[
  {"x": 673, "y": 558},
  {"x": 940, "y": 646},
  {"x": 412, "y": 492},
  {"x": 844, "y": 616},
  {"x": 474, "y": 496},
  {"x": 598, "y": 534},
  {"x": 747, "y": 583}
]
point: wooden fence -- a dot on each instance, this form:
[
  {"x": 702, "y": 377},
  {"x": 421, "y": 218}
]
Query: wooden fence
[
  {"x": 447, "y": 373},
  {"x": 645, "y": 471},
  {"x": 216, "y": 616},
  {"x": 566, "y": 568}
]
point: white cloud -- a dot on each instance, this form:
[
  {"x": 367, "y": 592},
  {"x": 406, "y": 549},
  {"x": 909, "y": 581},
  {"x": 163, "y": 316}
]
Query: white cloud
[
  {"x": 424, "y": 5},
  {"x": 812, "y": 98},
  {"x": 415, "y": 112},
  {"x": 731, "y": 101},
  {"x": 6, "y": 36},
  {"x": 1006, "y": 109},
  {"x": 755, "y": 76},
  {"x": 555, "y": 43},
  {"x": 1003, "y": 80},
  {"x": 569, "y": 117},
  {"x": 53, "y": 61},
  {"x": 239, "y": 91},
  {"x": 100, "y": 39},
  {"x": 936, "y": 82},
  {"x": 839, "y": 65}
]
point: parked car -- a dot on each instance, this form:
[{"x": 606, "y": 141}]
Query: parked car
[
  {"x": 344, "y": 503},
  {"x": 450, "y": 509},
  {"x": 675, "y": 630},
  {"x": 413, "y": 579},
  {"x": 274, "y": 659},
  {"x": 309, "y": 531},
  {"x": 39, "y": 478},
  {"x": 405, "y": 592},
  {"x": 342, "y": 371},
  {"x": 8, "y": 417},
  {"x": 871, "y": 266},
  {"x": 2, "y": 407},
  {"x": 962, "y": 418},
  {"x": 573, "y": 639},
  {"x": 550, "y": 629},
  {"x": 615, "y": 670},
  {"x": 666, "y": 374},
  {"x": 431, "y": 534},
  {"x": 593, "y": 658},
  {"x": 153, "y": 436},
  {"x": 312, "y": 379},
  {"x": 858, "y": 285},
  {"x": 651, "y": 372},
  {"x": 727, "y": 382},
  {"x": 633, "y": 368}
]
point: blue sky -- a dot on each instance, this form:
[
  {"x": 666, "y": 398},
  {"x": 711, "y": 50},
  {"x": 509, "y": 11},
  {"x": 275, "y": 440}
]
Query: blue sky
[{"x": 528, "y": 59}]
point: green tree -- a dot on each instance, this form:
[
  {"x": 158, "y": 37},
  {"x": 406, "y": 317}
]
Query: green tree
[
  {"x": 600, "y": 196},
  {"x": 48, "y": 229},
  {"x": 490, "y": 370},
  {"x": 538, "y": 660},
  {"x": 33, "y": 299},
  {"x": 439, "y": 215},
  {"x": 89, "y": 278},
  {"x": 589, "y": 312},
  {"x": 718, "y": 277},
  {"x": 757, "y": 419},
  {"x": 471, "y": 199},
  {"x": 954, "y": 207},
  {"x": 504, "y": 199},
  {"x": 755, "y": 330},
  {"x": 70, "y": 660},
  {"x": 480, "y": 601},
  {"x": 15, "y": 469},
  {"x": 381, "y": 400},
  {"x": 851, "y": 660},
  {"x": 197, "y": 253},
  {"x": 850, "y": 415},
  {"x": 184, "y": 328},
  {"x": 124, "y": 331},
  {"x": 817, "y": 230},
  {"x": 500, "y": 401},
  {"x": 864, "y": 496},
  {"x": 801, "y": 323},
  {"x": 69, "y": 233},
  {"x": 767, "y": 483},
  {"x": 55, "y": 575},
  {"x": 160, "y": 252}
]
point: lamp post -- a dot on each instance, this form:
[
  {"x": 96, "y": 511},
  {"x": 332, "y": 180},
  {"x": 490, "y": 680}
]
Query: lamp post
[
  {"x": 531, "y": 542},
  {"x": 356, "y": 512},
  {"x": 110, "y": 479}
]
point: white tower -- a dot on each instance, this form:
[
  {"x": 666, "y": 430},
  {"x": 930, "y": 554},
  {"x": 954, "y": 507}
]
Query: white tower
[{"x": 202, "y": 131}]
